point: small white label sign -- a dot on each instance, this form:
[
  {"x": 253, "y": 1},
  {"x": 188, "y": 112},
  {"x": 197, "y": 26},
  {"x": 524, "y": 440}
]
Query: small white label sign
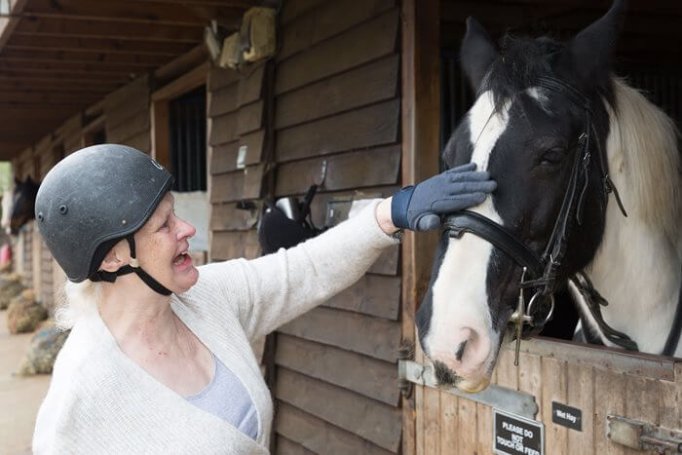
[{"x": 241, "y": 156}]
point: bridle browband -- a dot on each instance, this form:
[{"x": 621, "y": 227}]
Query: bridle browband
[{"x": 544, "y": 270}]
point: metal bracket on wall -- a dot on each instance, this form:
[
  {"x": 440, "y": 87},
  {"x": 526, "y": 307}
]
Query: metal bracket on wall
[
  {"x": 502, "y": 398},
  {"x": 643, "y": 436}
]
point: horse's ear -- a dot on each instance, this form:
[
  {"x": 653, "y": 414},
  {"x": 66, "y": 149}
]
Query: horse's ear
[
  {"x": 477, "y": 53},
  {"x": 591, "y": 50}
]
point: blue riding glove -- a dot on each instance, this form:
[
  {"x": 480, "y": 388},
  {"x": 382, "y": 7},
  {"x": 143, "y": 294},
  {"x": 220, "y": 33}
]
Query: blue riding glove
[{"x": 419, "y": 207}]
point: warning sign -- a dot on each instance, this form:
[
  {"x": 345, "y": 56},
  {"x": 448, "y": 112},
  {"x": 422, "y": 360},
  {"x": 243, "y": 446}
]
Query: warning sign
[{"x": 516, "y": 435}]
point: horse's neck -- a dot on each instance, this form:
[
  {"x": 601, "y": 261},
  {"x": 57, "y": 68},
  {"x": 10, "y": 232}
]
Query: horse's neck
[{"x": 638, "y": 270}]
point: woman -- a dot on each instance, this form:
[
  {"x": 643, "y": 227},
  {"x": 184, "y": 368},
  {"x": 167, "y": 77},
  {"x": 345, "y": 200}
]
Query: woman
[{"x": 159, "y": 357}]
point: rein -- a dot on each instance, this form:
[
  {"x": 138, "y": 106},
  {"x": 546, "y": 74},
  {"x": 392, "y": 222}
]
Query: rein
[{"x": 544, "y": 269}]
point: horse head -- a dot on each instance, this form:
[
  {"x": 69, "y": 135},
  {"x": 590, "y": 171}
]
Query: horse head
[
  {"x": 23, "y": 204},
  {"x": 539, "y": 126}
]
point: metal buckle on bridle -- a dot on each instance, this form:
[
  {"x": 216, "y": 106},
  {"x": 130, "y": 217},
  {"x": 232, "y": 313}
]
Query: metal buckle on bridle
[{"x": 525, "y": 316}]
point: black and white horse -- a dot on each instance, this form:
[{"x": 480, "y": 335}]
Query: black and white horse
[{"x": 573, "y": 150}]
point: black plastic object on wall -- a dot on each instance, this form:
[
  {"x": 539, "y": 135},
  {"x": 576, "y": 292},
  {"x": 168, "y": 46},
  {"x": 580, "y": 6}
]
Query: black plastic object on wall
[{"x": 286, "y": 223}]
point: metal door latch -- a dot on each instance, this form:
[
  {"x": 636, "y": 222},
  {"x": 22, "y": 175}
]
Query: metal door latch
[
  {"x": 512, "y": 401},
  {"x": 643, "y": 436}
]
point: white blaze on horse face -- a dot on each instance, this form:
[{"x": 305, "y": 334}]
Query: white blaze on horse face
[{"x": 461, "y": 334}]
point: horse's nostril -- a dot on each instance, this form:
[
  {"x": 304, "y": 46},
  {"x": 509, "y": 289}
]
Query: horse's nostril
[
  {"x": 63, "y": 209},
  {"x": 460, "y": 350},
  {"x": 40, "y": 216}
]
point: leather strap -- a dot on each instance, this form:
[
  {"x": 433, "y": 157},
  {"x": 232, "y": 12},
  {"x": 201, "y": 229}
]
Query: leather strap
[
  {"x": 594, "y": 302},
  {"x": 110, "y": 277},
  {"x": 674, "y": 335},
  {"x": 473, "y": 223}
]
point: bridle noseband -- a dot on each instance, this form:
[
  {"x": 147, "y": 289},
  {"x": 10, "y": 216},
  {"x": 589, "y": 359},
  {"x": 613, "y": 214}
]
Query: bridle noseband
[{"x": 544, "y": 270}]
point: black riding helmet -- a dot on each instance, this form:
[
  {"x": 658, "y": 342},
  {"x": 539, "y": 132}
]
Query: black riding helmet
[{"x": 92, "y": 199}]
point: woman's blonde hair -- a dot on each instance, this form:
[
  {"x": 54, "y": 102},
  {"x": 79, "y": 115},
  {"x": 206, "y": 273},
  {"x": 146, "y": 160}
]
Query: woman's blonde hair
[{"x": 78, "y": 300}]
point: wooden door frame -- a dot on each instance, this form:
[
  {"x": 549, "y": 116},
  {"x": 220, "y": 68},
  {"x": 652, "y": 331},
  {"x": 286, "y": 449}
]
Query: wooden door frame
[
  {"x": 420, "y": 157},
  {"x": 160, "y": 102}
]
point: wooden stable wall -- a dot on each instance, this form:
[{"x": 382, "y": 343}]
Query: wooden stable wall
[
  {"x": 337, "y": 106},
  {"x": 127, "y": 116},
  {"x": 599, "y": 382},
  {"x": 237, "y": 120}
]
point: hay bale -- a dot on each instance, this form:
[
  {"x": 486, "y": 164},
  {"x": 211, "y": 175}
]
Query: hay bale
[
  {"x": 43, "y": 350},
  {"x": 24, "y": 313},
  {"x": 10, "y": 287}
]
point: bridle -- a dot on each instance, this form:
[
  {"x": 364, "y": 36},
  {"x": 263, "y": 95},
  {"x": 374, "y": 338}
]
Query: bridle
[{"x": 544, "y": 270}]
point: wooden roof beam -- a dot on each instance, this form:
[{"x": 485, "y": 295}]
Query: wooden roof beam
[
  {"x": 23, "y": 118},
  {"x": 92, "y": 44},
  {"x": 66, "y": 86},
  {"x": 244, "y": 4},
  {"x": 106, "y": 10},
  {"x": 180, "y": 65},
  {"x": 111, "y": 29},
  {"x": 107, "y": 80},
  {"x": 65, "y": 71},
  {"x": 47, "y": 98},
  {"x": 46, "y": 56}
]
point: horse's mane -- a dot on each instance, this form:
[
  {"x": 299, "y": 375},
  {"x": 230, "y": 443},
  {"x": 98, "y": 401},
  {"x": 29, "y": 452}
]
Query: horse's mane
[{"x": 643, "y": 147}]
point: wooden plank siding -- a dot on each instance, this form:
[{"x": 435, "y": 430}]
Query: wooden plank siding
[
  {"x": 237, "y": 110},
  {"x": 602, "y": 382},
  {"x": 316, "y": 436},
  {"x": 337, "y": 107},
  {"x": 127, "y": 114}
]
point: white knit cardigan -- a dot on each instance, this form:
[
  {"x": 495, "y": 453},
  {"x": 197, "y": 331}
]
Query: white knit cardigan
[{"x": 101, "y": 402}]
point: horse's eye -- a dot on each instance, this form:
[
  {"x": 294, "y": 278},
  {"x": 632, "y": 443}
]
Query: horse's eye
[{"x": 553, "y": 157}]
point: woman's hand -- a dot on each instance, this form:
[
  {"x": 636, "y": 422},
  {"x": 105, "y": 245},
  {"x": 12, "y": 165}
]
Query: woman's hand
[{"x": 420, "y": 207}]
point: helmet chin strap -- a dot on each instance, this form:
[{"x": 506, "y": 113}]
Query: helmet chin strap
[{"x": 133, "y": 267}]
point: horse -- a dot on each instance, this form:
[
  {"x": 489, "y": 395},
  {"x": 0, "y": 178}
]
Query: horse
[
  {"x": 589, "y": 196},
  {"x": 18, "y": 205}
]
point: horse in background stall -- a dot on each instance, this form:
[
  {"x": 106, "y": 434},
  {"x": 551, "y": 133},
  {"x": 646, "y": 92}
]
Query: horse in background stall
[
  {"x": 18, "y": 205},
  {"x": 589, "y": 195}
]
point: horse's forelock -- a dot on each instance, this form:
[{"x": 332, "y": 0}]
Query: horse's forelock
[
  {"x": 520, "y": 63},
  {"x": 523, "y": 60},
  {"x": 644, "y": 159}
]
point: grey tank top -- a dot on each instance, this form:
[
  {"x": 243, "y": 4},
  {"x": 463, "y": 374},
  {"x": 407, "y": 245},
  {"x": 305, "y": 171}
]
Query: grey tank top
[{"x": 227, "y": 398}]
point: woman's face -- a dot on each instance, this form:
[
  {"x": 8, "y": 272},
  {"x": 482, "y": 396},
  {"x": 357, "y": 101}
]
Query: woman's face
[{"x": 163, "y": 248}]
